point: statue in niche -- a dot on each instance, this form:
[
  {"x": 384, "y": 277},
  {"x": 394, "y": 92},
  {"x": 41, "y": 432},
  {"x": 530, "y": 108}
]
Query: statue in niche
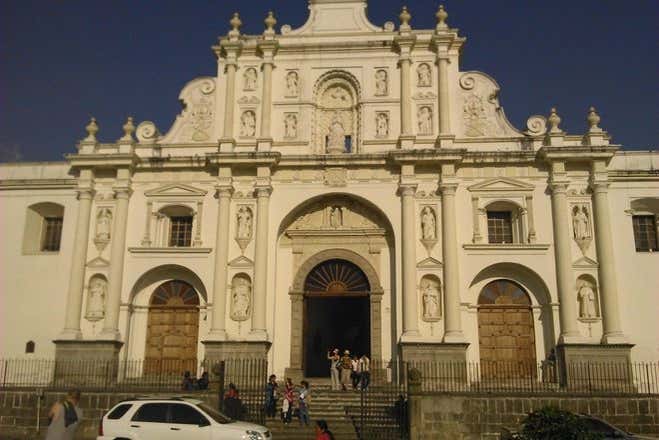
[
  {"x": 244, "y": 219},
  {"x": 250, "y": 79},
  {"x": 336, "y": 217},
  {"x": 430, "y": 296},
  {"x": 96, "y": 299},
  {"x": 587, "y": 309},
  {"x": 290, "y": 126},
  {"x": 428, "y": 224},
  {"x": 381, "y": 83},
  {"x": 382, "y": 125},
  {"x": 580, "y": 223},
  {"x": 292, "y": 83},
  {"x": 425, "y": 120},
  {"x": 336, "y": 140},
  {"x": 241, "y": 295},
  {"x": 103, "y": 224},
  {"x": 423, "y": 75},
  {"x": 248, "y": 124}
]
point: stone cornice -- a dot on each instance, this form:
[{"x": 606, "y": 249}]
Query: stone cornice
[
  {"x": 441, "y": 155},
  {"x": 33, "y": 184},
  {"x": 269, "y": 158},
  {"x": 578, "y": 153},
  {"x": 102, "y": 160}
]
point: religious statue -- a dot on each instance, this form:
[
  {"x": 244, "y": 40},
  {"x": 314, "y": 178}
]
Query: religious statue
[
  {"x": 290, "y": 126},
  {"x": 103, "y": 224},
  {"x": 336, "y": 217},
  {"x": 425, "y": 120},
  {"x": 250, "y": 79},
  {"x": 382, "y": 125},
  {"x": 96, "y": 299},
  {"x": 423, "y": 75},
  {"x": 240, "y": 298},
  {"x": 292, "y": 82},
  {"x": 248, "y": 124},
  {"x": 587, "y": 308},
  {"x": 580, "y": 222},
  {"x": 336, "y": 140},
  {"x": 428, "y": 224},
  {"x": 244, "y": 219},
  {"x": 381, "y": 83},
  {"x": 430, "y": 296}
]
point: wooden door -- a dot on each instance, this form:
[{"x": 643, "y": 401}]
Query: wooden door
[
  {"x": 505, "y": 331},
  {"x": 172, "y": 329}
]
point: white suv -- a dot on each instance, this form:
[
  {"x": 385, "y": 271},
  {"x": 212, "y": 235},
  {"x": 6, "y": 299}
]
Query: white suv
[{"x": 177, "y": 418}]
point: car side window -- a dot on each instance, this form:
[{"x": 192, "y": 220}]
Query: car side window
[
  {"x": 186, "y": 415},
  {"x": 119, "y": 411},
  {"x": 151, "y": 412}
]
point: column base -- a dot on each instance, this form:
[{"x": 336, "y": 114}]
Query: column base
[
  {"x": 70, "y": 335},
  {"x": 86, "y": 362},
  {"x": 569, "y": 338},
  {"x": 595, "y": 365},
  {"x": 216, "y": 336},
  {"x": 258, "y": 335},
  {"x": 110, "y": 335},
  {"x": 454, "y": 337},
  {"x": 227, "y": 145},
  {"x": 614, "y": 338},
  {"x": 264, "y": 144},
  {"x": 227, "y": 350},
  {"x": 433, "y": 352},
  {"x": 406, "y": 141},
  {"x": 444, "y": 140}
]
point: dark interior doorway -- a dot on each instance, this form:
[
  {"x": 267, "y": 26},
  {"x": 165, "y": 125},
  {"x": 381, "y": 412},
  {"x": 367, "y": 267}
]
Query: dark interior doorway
[{"x": 336, "y": 314}]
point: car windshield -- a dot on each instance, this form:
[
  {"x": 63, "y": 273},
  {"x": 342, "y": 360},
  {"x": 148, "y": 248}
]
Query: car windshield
[{"x": 215, "y": 414}]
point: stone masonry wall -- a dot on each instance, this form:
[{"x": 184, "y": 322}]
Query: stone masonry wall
[
  {"x": 18, "y": 412},
  {"x": 469, "y": 416}
]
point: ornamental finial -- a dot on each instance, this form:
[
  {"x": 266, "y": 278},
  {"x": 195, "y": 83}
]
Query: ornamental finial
[
  {"x": 92, "y": 129},
  {"x": 554, "y": 120},
  {"x": 441, "y": 15},
  {"x": 270, "y": 22},
  {"x": 405, "y": 18},
  {"x": 235, "y": 23},
  {"x": 593, "y": 119},
  {"x": 129, "y": 129}
]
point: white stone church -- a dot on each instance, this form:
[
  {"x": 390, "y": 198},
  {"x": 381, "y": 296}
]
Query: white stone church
[{"x": 344, "y": 185}]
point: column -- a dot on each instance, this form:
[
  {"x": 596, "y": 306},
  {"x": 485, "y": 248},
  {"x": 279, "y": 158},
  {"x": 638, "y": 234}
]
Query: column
[
  {"x": 78, "y": 261},
  {"x": 612, "y": 330},
  {"x": 218, "y": 317},
  {"x": 408, "y": 241},
  {"x": 199, "y": 217},
  {"x": 229, "y": 100},
  {"x": 476, "y": 219},
  {"x": 261, "y": 262},
  {"x": 118, "y": 247},
  {"x": 530, "y": 219},
  {"x": 563, "y": 259},
  {"x": 405, "y": 98},
  {"x": 266, "y": 105},
  {"x": 146, "y": 241},
  {"x": 444, "y": 121},
  {"x": 453, "y": 321}
]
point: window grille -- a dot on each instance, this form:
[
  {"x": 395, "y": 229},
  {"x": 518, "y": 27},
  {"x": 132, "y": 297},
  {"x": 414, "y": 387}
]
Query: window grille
[
  {"x": 52, "y": 233},
  {"x": 645, "y": 233},
  {"x": 499, "y": 227},
  {"x": 180, "y": 233}
]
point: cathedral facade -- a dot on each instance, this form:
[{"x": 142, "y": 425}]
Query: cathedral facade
[{"x": 343, "y": 185}]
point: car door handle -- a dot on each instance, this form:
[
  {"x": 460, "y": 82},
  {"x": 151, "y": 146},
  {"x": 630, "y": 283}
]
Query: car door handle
[
  {"x": 175, "y": 429},
  {"x": 134, "y": 426}
]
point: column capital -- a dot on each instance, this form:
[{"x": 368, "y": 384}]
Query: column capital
[
  {"x": 263, "y": 191},
  {"x": 122, "y": 192},
  {"x": 448, "y": 188},
  {"x": 559, "y": 187},
  {"x": 599, "y": 186},
  {"x": 85, "y": 193},
  {"x": 224, "y": 190},
  {"x": 407, "y": 189}
]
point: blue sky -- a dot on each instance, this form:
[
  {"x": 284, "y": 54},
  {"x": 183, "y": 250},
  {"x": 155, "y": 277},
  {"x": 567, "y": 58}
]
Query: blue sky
[{"x": 63, "y": 61}]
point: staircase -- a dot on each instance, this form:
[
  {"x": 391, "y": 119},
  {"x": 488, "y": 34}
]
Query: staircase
[{"x": 342, "y": 412}]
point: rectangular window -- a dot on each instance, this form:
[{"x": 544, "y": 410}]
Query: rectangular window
[
  {"x": 499, "y": 227},
  {"x": 52, "y": 233},
  {"x": 180, "y": 234},
  {"x": 645, "y": 233}
]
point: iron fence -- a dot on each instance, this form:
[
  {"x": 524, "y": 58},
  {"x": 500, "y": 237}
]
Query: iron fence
[{"x": 242, "y": 385}]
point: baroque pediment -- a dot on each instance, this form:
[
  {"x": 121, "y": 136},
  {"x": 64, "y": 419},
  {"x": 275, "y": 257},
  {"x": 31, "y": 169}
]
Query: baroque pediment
[
  {"x": 584, "y": 263},
  {"x": 196, "y": 122},
  {"x": 336, "y": 215},
  {"x": 501, "y": 184},
  {"x": 241, "y": 261},
  {"x": 429, "y": 263},
  {"x": 334, "y": 16},
  {"x": 98, "y": 262},
  {"x": 176, "y": 190}
]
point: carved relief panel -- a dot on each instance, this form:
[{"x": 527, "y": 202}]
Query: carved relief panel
[
  {"x": 96, "y": 293},
  {"x": 430, "y": 290},
  {"x": 249, "y": 79},
  {"x": 587, "y": 298},
  {"x": 382, "y": 125},
  {"x": 424, "y": 75},
  {"x": 244, "y": 226},
  {"x": 424, "y": 120},
  {"x": 290, "y": 125},
  {"x": 195, "y": 122},
  {"x": 292, "y": 84},
  {"x": 582, "y": 226}
]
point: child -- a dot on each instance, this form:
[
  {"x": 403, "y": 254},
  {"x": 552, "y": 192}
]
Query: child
[{"x": 303, "y": 403}]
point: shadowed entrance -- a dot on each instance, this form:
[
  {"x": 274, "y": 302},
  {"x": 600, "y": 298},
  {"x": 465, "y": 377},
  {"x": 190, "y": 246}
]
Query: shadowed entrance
[{"x": 336, "y": 314}]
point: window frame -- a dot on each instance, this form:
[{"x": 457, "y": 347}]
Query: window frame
[
  {"x": 650, "y": 234},
  {"x": 180, "y": 231},
  {"x": 508, "y": 228},
  {"x": 51, "y": 233}
]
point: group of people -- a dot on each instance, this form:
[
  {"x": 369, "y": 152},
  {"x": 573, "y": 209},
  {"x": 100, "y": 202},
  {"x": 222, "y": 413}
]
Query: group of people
[
  {"x": 292, "y": 399},
  {"x": 191, "y": 383},
  {"x": 349, "y": 371}
]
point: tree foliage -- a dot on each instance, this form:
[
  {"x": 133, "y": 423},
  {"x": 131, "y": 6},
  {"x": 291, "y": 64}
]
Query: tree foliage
[{"x": 551, "y": 423}]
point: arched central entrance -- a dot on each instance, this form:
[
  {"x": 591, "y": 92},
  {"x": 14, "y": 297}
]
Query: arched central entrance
[
  {"x": 172, "y": 329},
  {"x": 336, "y": 313}
]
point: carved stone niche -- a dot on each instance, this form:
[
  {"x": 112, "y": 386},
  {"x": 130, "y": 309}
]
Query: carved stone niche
[
  {"x": 244, "y": 226},
  {"x": 587, "y": 299},
  {"x": 241, "y": 297},
  {"x": 582, "y": 226},
  {"x": 430, "y": 289},
  {"x": 428, "y": 223},
  {"x": 103, "y": 228}
]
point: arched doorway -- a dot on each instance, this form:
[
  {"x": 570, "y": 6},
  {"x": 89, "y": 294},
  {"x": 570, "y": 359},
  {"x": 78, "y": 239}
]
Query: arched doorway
[
  {"x": 336, "y": 313},
  {"x": 505, "y": 331},
  {"x": 172, "y": 328}
]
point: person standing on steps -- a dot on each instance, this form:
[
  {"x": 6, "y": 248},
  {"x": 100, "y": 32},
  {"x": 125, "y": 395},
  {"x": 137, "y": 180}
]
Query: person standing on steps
[
  {"x": 365, "y": 369},
  {"x": 303, "y": 403},
  {"x": 287, "y": 402},
  {"x": 322, "y": 431},
  {"x": 335, "y": 360},
  {"x": 64, "y": 417},
  {"x": 355, "y": 375},
  {"x": 346, "y": 370},
  {"x": 271, "y": 396}
]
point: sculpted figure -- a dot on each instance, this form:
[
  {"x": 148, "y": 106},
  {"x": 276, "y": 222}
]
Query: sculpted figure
[
  {"x": 381, "y": 83},
  {"x": 337, "y": 137},
  {"x": 336, "y": 217},
  {"x": 428, "y": 224},
  {"x": 96, "y": 299},
  {"x": 423, "y": 75},
  {"x": 290, "y": 126},
  {"x": 587, "y": 302},
  {"x": 240, "y": 298},
  {"x": 250, "y": 79},
  {"x": 248, "y": 124},
  {"x": 292, "y": 82},
  {"x": 425, "y": 120},
  {"x": 382, "y": 125},
  {"x": 580, "y": 223},
  {"x": 103, "y": 224},
  {"x": 430, "y": 294},
  {"x": 244, "y": 218}
]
